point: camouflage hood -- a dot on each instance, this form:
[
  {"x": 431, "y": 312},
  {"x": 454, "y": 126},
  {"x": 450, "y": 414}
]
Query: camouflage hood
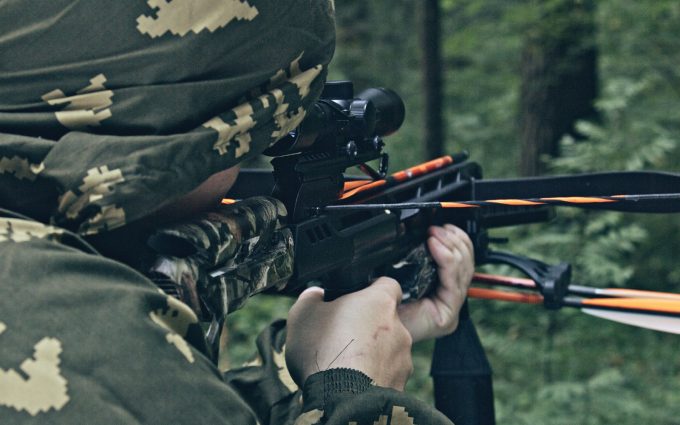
[{"x": 109, "y": 112}]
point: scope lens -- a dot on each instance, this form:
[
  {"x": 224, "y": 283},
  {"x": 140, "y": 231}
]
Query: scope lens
[
  {"x": 375, "y": 112},
  {"x": 390, "y": 109}
]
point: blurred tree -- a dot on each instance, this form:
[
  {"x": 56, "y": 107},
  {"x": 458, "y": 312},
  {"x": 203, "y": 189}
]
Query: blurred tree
[
  {"x": 481, "y": 46},
  {"x": 559, "y": 78},
  {"x": 353, "y": 38},
  {"x": 433, "y": 84},
  {"x": 378, "y": 47}
]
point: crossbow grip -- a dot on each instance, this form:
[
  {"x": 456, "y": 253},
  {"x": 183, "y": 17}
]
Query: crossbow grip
[{"x": 462, "y": 376}]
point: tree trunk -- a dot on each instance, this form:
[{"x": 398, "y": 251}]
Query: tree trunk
[
  {"x": 559, "y": 79},
  {"x": 433, "y": 131}
]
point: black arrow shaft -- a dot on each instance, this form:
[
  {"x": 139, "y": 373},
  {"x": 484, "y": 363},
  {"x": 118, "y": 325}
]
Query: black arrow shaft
[{"x": 518, "y": 202}]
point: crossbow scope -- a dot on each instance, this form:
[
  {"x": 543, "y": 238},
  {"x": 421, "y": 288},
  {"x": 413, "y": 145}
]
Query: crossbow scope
[
  {"x": 340, "y": 131},
  {"x": 339, "y": 121}
]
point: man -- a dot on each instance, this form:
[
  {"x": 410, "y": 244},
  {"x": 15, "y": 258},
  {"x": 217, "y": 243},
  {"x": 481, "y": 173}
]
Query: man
[{"x": 111, "y": 114}]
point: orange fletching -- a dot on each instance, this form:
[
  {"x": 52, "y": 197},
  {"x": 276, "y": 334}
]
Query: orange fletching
[
  {"x": 353, "y": 184},
  {"x": 352, "y": 188},
  {"x": 456, "y": 205},
  {"x": 514, "y": 202},
  {"x": 363, "y": 188},
  {"x": 579, "y": 200}
]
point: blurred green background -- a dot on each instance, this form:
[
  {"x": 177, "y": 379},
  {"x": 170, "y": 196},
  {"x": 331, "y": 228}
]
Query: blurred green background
[{"x": 538, "y": 87}]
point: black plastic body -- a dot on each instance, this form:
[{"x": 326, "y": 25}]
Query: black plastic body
[{"x": 343, "y": 251}]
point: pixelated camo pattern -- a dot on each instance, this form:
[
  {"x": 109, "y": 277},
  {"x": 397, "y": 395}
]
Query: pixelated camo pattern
[
  {"x": 215, "y": 262},
  {"x": 18, "y": 231},
  {"x": 78, "y": 330},
  {"x": 99, "y": 131}
]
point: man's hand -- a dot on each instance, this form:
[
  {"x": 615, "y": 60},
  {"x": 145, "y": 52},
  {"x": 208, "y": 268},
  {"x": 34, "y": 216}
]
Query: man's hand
[
  {"x": 437, "y": 315},
  {"x": 359, "y": 331}
]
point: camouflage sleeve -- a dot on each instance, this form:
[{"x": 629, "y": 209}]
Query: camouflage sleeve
[
  {"x": 88, "y": 340},
  {"x": 335, "y": 396},
  {"x": 215, "y": 262},
  {"x": 345, "y": 396}
]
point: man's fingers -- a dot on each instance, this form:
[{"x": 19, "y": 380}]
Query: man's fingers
[
  {"x": 454, "y": 259},
  {"x": 437, "y": 314},
  {"x": 457, "y": 237},
  {"x": 453, "y": 238},
  {"x": 442, "y": 254},
  {"x": 447, "y": 255},
  {"x": 445, "y": 236},
  {"x": 441, "y": 234},
  {"x": 460, "y": 235}
]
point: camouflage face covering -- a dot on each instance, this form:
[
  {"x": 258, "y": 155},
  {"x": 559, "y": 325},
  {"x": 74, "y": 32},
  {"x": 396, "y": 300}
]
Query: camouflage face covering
[{"x": 109, "y": 112}]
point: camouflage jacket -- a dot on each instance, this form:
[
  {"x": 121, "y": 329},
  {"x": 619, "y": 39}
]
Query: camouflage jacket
[{"x": 108, "y": 111}]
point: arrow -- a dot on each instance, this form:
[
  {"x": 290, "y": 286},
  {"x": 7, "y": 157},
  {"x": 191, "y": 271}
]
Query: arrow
[
  {"x": 494, "y": 294},
  {"x": 647, "y": 321},
  {"x": 354, "y": 187},
  {"x": 517, "y": 202},
  {"x": 659, "y": 315},
  {"x": 658, "y": 311},
  {"x": 584, "y": 291}
]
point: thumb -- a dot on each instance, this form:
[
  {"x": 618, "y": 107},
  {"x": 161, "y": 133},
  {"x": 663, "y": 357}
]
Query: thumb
[
  {"x": 311, "y": 294},
  {"x": 388, "y": 286}
]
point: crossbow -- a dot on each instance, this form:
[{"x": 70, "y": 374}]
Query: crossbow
[{"x": 350, "y": 229}]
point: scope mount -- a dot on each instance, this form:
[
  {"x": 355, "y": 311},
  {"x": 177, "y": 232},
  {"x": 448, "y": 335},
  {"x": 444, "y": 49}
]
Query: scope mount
[{"x": 339, "y": 132}]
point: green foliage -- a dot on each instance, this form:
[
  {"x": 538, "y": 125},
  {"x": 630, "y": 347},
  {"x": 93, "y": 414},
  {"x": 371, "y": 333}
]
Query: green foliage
[
  {"x": 245, "y": 325},
  {"x": 623, "y": 139},
  {"x": 481, "y": 45},
  {"x": 550, "y": 367},
  {"x": 378, "y": 47},
  {"x": 420, "y": 382},
  {"x": 603, "y": 376}
]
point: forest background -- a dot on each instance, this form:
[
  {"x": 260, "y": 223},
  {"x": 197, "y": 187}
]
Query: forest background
[{"x": 534, "y": 87}]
